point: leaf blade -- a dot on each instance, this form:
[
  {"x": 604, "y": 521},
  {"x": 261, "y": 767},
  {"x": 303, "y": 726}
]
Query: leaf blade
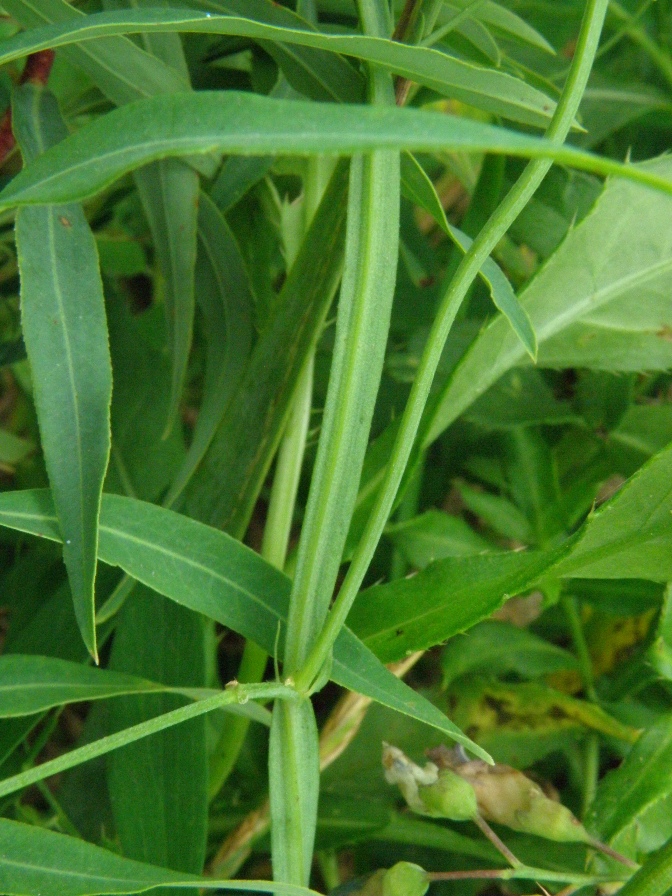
[{"x": 65, "y": 330}]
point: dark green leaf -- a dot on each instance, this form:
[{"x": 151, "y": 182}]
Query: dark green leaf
[
  {"x": 65, "y": 330},
  {"x": 159, "y": 785},
  {"x": 224, "y": 295},
  {"x": 35, "y": 860},
  {"x": 448, "y": 597}
]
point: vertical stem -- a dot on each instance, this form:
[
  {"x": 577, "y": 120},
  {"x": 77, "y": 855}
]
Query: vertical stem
[
  {"x": 361, "y": 335},
  {"x": 479, "y": 251},
  {"x": 281, "y": 505},
  {"x": 591, "y": 756}
]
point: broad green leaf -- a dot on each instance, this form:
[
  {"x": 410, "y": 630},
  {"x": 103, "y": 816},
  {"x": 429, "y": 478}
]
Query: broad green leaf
[
  {"x": 626, "y": 794},
  {"x": 208, "y": 571},
  {"x": 435, "y": 535},
  {"x": 159, "y": 786},
  {"x": 654, "y": 878},
  {"x": 65, "y": 330},
  {"x": 226, "y": 486},
  {"x": 419, "y": 189},
  {"x": 645, "y": 428},
  {"x": 35, "y": 860},
  {"x": 496, "y": 648},
  {"x": 629, "y": 536},
  {"x": 488, "y": 89},
  {"x": 616, "y": 264},
  {"x": 223, "y": 293},
  {"x": 169, "y": 191},
  {"x": 447, "y": 597},
  {"x": 120, "y": 69},
  {"x": 247, "y": 124}
]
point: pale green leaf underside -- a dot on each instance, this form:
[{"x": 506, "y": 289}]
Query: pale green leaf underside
[
  {"x": 612, "y": 272},
  {"x": 246, "y": 124}
]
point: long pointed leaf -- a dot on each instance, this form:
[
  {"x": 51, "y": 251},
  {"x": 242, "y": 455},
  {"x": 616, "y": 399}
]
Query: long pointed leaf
[
  {"x": 247, "y": 124},
  {"x": 225, "y": 299},
  {"x": 485, "y": 88},
  {"x": 65, "y": 330}
]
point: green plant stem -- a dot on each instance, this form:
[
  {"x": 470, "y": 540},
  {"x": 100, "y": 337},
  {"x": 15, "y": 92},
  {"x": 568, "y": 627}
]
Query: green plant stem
[
  {"x": 236, "y": 694},
  {"x": 282, "y": 502},
  {"x": 591, "y": 757},
  {"x": 479, "y": 251},
  {"x": 525, "y": 872},
  {"x": 571, "y": 610},
  {"x": 408, "y": 508},
  {"x": 361, "y": 335},
  {"x": 365, "y": 303}
]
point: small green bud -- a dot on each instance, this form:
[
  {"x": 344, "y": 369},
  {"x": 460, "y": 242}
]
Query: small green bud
[
  {"x": 449, "y": 797},
  {"x": 405, "y": 879}
]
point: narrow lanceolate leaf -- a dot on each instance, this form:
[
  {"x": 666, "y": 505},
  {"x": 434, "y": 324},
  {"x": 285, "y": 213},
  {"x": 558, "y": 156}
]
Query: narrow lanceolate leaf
[
  {"x": 641, "y": 782},
  {"x": 226, "y": 486},
  {"x": 206, "y": 570},
  {"x": 612, "y": 272},
  {"x": 248, "y": 124},
  {"x": 224, "y": 295},
  {"x": 419, "y": 189},
  {"x": 169, "y": 192},
  {"x": 65, "y": 331},
  {"x": 485, "y": 88},
  {"x": 31, "y": 684},
  {"x": 629, "y": 536},
  {"x": 35, "y": 860}
]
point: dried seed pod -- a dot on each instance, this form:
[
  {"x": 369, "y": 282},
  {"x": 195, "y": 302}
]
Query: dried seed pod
[{"x": 506, "y": 796}]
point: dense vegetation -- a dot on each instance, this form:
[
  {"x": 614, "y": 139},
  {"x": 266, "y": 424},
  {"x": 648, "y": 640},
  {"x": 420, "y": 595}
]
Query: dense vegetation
[{"x": 320, "y": 312}]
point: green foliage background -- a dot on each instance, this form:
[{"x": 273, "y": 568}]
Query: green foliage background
[{"x": 335, "y": 410}]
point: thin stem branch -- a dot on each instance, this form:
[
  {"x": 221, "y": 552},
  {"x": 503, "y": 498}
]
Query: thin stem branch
[{"x": 499, "y": 844}]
